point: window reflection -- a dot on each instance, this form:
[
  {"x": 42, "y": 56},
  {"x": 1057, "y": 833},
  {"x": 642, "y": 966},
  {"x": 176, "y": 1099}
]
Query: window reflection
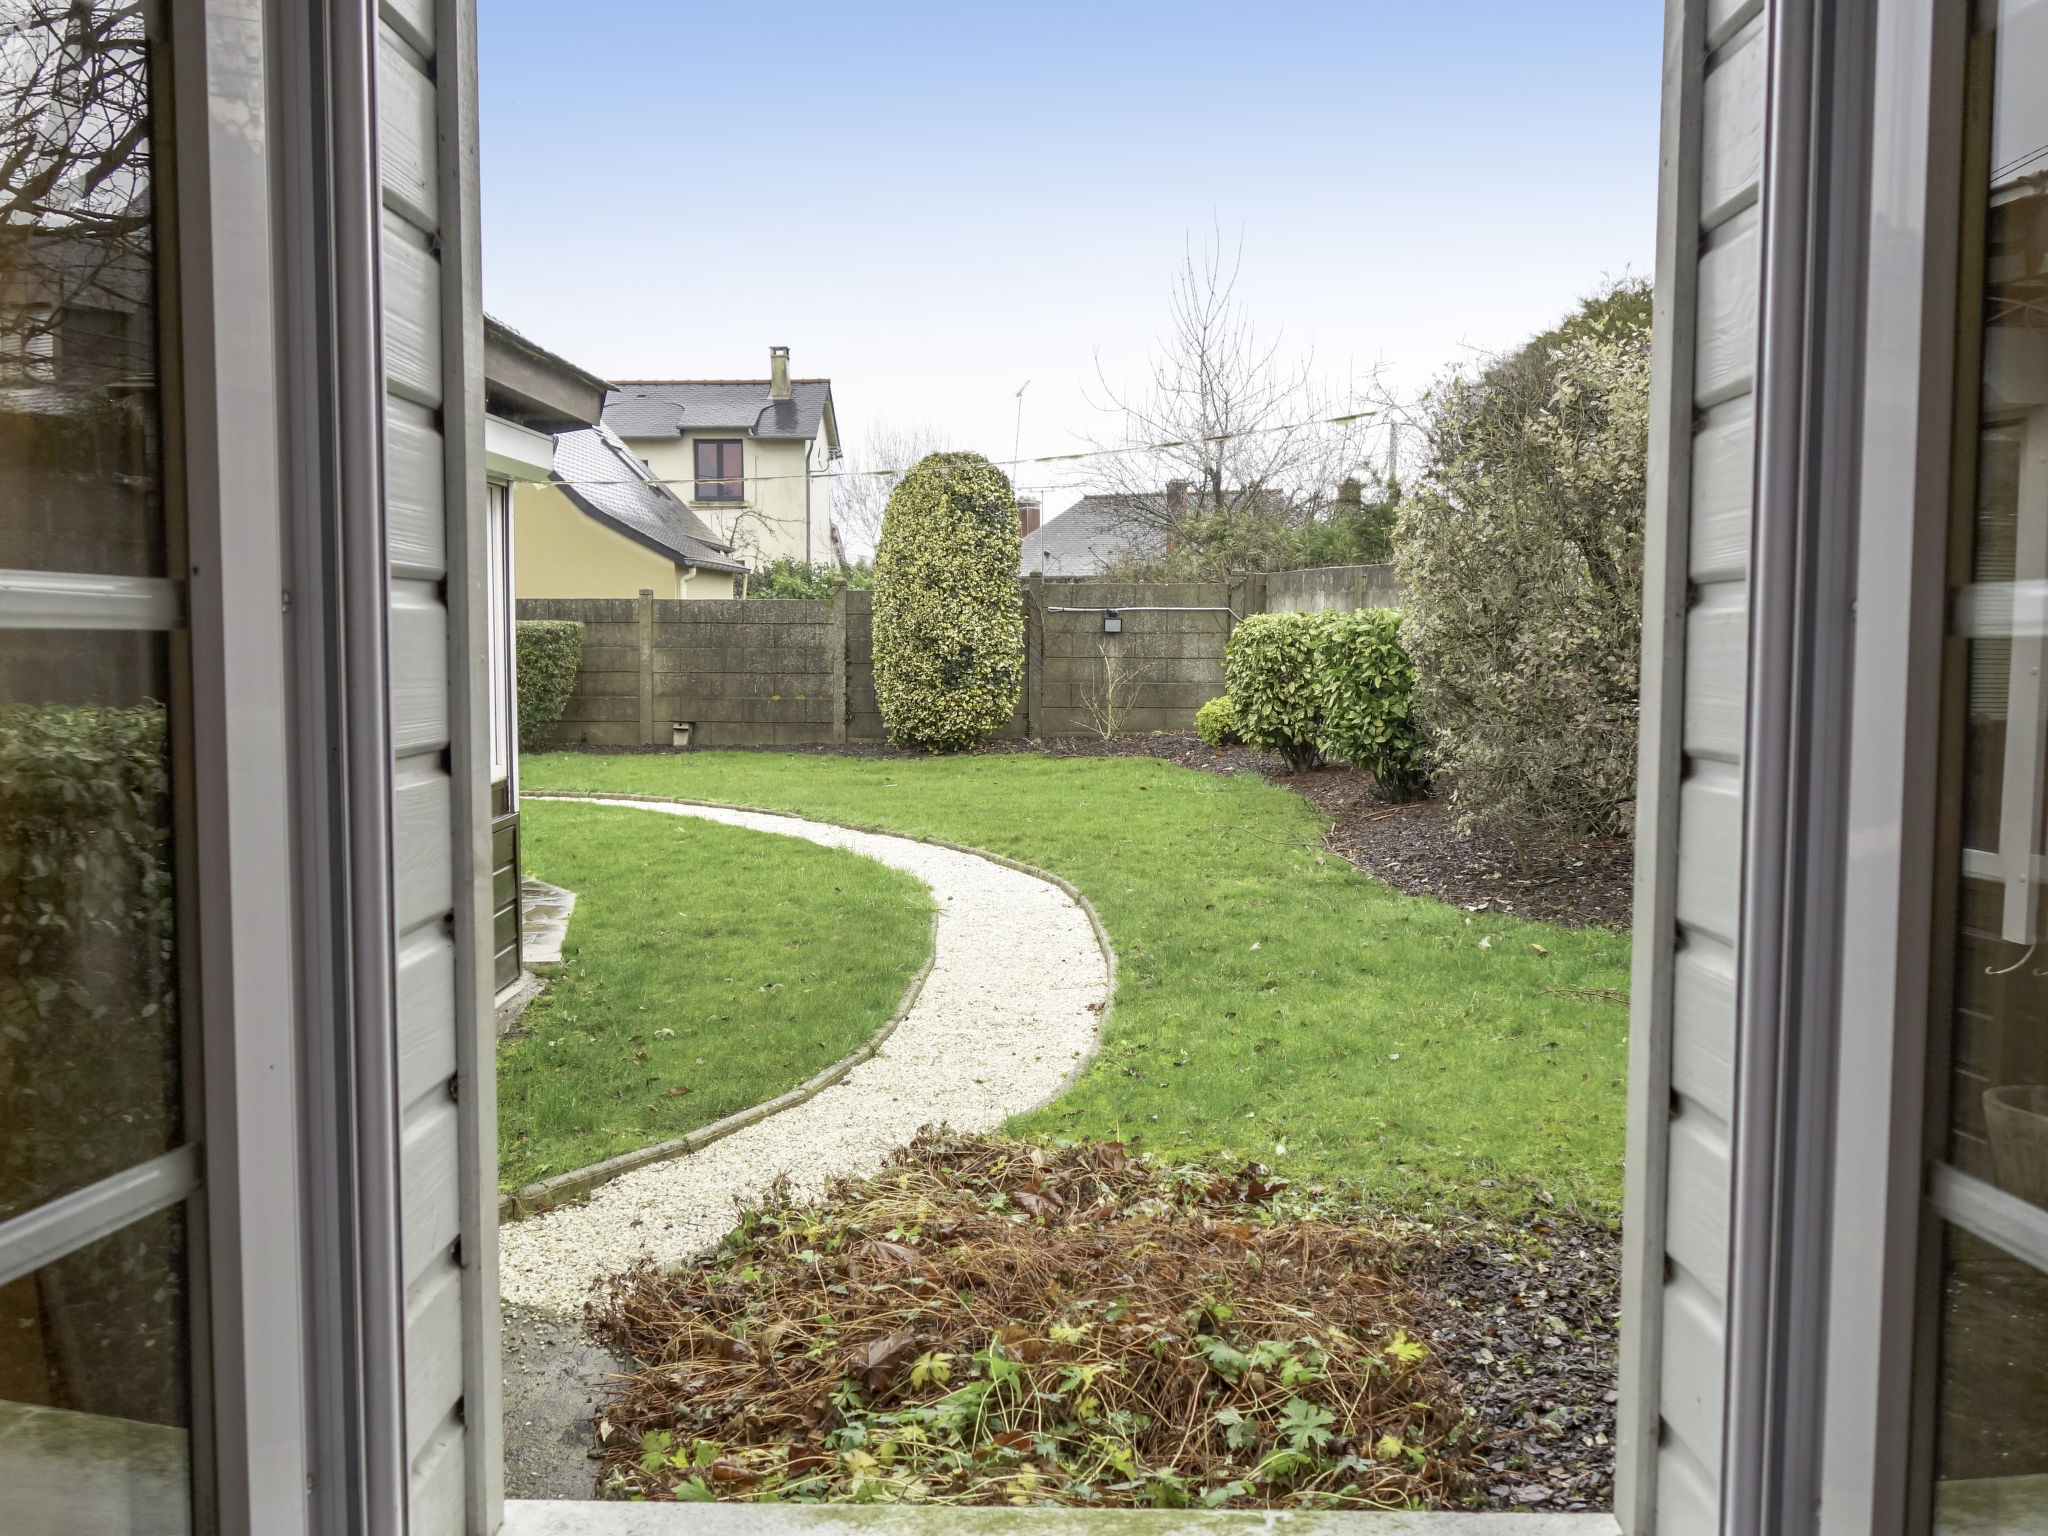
[
  {"x": 93, "y": 1389},
  {"x": 89, "y": 1041},
  {"x": 1992, "y": 1390},
  {"x": 78, "y": 345}
]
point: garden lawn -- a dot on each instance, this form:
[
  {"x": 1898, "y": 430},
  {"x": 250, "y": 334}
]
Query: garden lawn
[
  {"x": 1271, "y": 1002},
  {"x": 706, "y": 969}
]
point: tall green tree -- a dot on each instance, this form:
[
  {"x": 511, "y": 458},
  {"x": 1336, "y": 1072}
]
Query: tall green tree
[{"x": 1522, "y": 550}]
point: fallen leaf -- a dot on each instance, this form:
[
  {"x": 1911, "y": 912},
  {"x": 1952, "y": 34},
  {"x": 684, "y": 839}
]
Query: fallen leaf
[
  {"x": 891, "y": 1253},
  {"x": 674, "y": 1093},
  {"x": 1042, "y": 1207},
  {"x": 1539, "y": 949},
  {"x": 877, "y": 1364},
  {"x": 806, "y": 1459}
]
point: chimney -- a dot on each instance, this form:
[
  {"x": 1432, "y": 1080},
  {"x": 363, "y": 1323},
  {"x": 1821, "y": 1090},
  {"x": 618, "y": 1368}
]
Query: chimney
[
  {"x": 1176, "y": 500},
  {"x": 1028, "y": 510},
  {"x": 778, "y": 373}
]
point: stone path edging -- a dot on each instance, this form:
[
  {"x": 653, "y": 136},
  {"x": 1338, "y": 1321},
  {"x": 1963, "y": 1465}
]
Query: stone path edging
[{"x": 564, "y": 1189}]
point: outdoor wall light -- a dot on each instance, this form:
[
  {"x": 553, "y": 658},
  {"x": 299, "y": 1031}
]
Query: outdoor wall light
[{"x": 1112, "y": 622}]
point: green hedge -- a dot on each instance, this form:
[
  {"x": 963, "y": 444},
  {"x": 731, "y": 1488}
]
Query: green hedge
[
  {"x": 949, "y": 615},
  {"x": 549, "y": 652},
  {"x": 1269, "y": 669},
  {"x": 88, "y": 967},
  {"x": 1310, "y": 685},
  {"x": 1216, "y": 722},
  {"x": 1365, "y": 684}
]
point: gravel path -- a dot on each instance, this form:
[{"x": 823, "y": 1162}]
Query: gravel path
[{"x": 1007, "y": 1014}]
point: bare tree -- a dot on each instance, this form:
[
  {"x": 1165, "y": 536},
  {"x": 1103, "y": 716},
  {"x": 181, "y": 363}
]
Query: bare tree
[
  {"x": 869, "y": 474},
  {"x": 1107, "y": 700},
  {"x": 74, "y": 169},
  {"x": 1244, "y": 426}
]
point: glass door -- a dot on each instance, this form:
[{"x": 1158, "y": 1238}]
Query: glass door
[
  {"x": 98, "y": 1159},
  {"x": 1989, "y": 1184}
]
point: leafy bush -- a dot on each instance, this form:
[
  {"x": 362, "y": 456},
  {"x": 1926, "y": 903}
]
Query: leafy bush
[
  {"x": 1522, "y": 550},
  {"x": 550, "y": 650},
  {"x": 949, "y": 615},
  {"x": 1366, "y": 687},
  {"x": 803, "y": 578},
  {"x": 88, "y": 970},
  {"x": 1216, "y": 722},
  {"x": 1269, "y": 667}
]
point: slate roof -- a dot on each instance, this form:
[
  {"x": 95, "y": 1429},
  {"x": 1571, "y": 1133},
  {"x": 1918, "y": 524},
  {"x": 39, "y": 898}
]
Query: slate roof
[
  {"x": 667, "y": 408},
  {"x": 599, "y": 474},
  {"x": 1093, "y": 533}
]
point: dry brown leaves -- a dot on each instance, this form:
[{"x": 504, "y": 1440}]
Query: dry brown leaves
[{"x": 993, "y": 1322}]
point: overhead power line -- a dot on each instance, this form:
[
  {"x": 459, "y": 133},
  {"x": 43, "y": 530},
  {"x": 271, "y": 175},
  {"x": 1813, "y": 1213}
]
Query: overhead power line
[{"x": 1050, "y": 458}]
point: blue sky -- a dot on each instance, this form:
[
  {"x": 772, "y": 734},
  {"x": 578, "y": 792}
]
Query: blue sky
[{"x": 932, "y": 203}]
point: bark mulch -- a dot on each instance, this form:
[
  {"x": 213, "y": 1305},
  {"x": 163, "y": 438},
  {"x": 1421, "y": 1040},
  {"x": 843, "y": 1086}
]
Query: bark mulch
[
  {"x": 1417, "y": 848},
  {"x": 1527, "y": 1318}
]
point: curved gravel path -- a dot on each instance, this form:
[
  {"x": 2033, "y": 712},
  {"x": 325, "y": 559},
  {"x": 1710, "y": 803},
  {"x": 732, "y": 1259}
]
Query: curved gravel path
[{"x": 1007, "y": 1014}]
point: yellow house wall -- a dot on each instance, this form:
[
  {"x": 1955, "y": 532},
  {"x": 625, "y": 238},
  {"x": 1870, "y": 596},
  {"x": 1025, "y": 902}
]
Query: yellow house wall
[
  {"x": 770, "y": 524},
  {"x": 561, "y": 551}
]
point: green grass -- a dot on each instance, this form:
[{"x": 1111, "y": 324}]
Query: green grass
[
  {"x": 730, "y": 963},
  {"x": 1268, "y": 995}
]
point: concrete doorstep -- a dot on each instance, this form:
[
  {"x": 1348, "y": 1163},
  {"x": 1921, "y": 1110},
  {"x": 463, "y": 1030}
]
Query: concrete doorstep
[{"x": 524, "y": 1518}]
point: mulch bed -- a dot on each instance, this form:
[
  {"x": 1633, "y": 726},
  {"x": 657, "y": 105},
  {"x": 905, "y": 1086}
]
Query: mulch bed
[
  {"x": 1527, "y": 1315},
  {"x": 993, "y": 1322},
  {"x": 1418, "y": 848}
]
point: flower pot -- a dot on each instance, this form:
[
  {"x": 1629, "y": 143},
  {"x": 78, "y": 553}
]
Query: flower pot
[{"x": 2019, "y": 1139}]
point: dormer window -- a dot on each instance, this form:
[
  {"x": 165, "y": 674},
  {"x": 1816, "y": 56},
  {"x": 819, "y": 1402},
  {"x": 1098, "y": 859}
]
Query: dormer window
[{"x": 720, "y": 473}]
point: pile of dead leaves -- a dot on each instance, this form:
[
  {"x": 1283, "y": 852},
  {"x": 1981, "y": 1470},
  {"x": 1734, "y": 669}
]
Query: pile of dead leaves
[{"x": 991, "y": 1322}]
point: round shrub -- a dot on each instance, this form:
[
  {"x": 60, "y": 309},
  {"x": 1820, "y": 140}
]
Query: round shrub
[
  {"x": 949, "y": 615},
  {"x": 550, "y": 650},
  {"x": 1269, "y": 667},
  {"x": 1365, "y": 684},
  {"x": 1216, "y": 722}
]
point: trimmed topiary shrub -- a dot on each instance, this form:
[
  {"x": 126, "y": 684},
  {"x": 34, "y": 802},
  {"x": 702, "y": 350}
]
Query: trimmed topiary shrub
[
  {"x": 1216, "y": 722},
  {"x": 949, "y": 616},
  {"x": 1366, "y": 687},
  {"x": 1269, "y": 667},
  {"x": 550, "y": 650}
]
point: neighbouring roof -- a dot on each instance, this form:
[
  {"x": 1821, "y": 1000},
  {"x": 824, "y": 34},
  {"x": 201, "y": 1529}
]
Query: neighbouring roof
[
  {"x": 527, "y": 384},
  {"x": 641, "y": 408},
  {"x": 1092, "y": 534},
  {"x": 599, "y": 474}
]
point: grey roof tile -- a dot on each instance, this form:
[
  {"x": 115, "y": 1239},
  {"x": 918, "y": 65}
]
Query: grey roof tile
[
  {"x": 655, "y": 408},
  {"x": 600, "y": 475},
  {"x": 1092, "y": 534}
]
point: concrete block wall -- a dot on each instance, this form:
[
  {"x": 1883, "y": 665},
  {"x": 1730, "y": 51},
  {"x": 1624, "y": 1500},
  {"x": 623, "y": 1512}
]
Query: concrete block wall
[
  {"x": 764, "y": 672},
  {"x": 787, "y": 672},
  {"x": 1341, "y": 588}
]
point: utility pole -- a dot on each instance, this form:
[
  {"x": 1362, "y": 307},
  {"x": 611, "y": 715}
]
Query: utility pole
[{"x": 1017, "y": 442}]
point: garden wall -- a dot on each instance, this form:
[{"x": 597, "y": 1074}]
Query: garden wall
[
  {"x": 792, "y": 671},
  {"x": 1343, "y": 588}
]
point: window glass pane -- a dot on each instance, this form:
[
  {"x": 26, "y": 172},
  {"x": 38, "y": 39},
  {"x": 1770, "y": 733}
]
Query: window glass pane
[
  {"x": 89, "y": 1046},
  {"x": 95, "y": 1389},
  {"x": 1992, "y": 1405},
  {"x": 79, "y": 435}
]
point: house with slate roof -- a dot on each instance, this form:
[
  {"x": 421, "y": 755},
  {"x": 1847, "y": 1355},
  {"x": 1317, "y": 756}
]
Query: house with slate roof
[
  {"x": 751, "y": 458},
  {"x": 1096, "y": 534},
  {"x": 602, "y": 526}
]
